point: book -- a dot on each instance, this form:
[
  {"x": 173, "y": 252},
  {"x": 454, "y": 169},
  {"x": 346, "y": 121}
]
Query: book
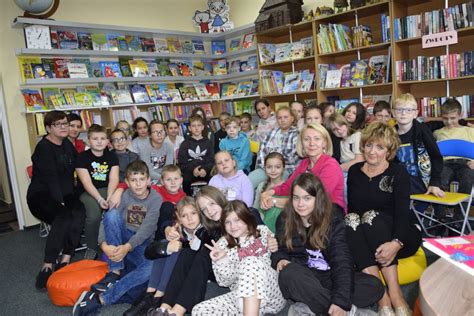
[
  {"x": 297, "y": 51},
  {"x": 266, "y": 53},
  {"x": 77, "y": 70},
  {"x": 306, "y": 80},
  {"x": 218, "y": 47},
  {"x": 83, "y": 99},
  {"x": 201, "y": 91},
  {"x": 340, "y": 105},
  {"x": 346, "y": 76},
  {"x": 139, "y": 68},
  {"x": 84, "y": 40},
  {"x": 198, "y": 46},
  {"x": 110, "y": 69},
  {"x": 228, "y": 89},
  {"x": 121, "y": 96},
  {"x": 359, "y": 73},
  {"x": 248, "y": 40},
  {"x": 122, "y": 43},
  {"x": 112, "y": 42},
  {"x": 140, "y": 94},
  {"x": 219, "y": 67},
  {"x": 54, "y": 39},
  {"x": 38, "y": 71},
  {"x": 25, "y": 63},
  {"x": 125, "y": 67},
  {"x": 282, "y": 52},
  {"x": 33, "y": 100},
  {"x": 40, "y": 128},
  {"x": 213, "y": 90},
  {"x": 152, "y": 68},
  {"x": 67, "y": 40},
  {"x": 333, "y": 78},
  {"x": 234, "y": 66},
  {"x": 187, "y": 46},
  {"x": 148, "y": 44},
  {"x": 244, "y": 88},
  {"x": 201, "y": 68},
  {"x": 207, "y": 108},
  {"x": 185, "y": 68},
  {"x": 163, "y": 67},
  {"x": 174, "y": 69},
  {"x": 133, "y": 43},
  {"x": 61, "y": 67},
  {"x": 160, "y": 45},
  {"x": 278, "y": 80},
  {"x": 235, "y": 44},
  {"x": 188, "y": 93},
  {"x": 377, "y": 68},
  {"x": 48, "y": 93},
  {"x": 457, "y": 250},
  {"x": 308, "y": 46},
  {"x": 99, "y": 41},
  {"x": 174, "y": 46},
  {"x": 291, "y": 82},
  {"x": 251, "y": 63},
  {"x": 49, "y": 67}
]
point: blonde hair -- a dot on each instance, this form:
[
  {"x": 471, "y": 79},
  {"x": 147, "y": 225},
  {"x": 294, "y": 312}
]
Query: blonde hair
[
  {"x": 378, "y": 131},
  {"x": 232, "y": 119},
  {"x": 321, "y": 130},
  {"x": 406, "y": 99},
  {"x": 339, "y": 119},
  {"x": 287, "y": 108}
]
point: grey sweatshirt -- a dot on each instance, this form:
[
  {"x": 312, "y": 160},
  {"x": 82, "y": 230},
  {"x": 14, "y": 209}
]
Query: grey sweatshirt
[{"x": 156, "y": 159}]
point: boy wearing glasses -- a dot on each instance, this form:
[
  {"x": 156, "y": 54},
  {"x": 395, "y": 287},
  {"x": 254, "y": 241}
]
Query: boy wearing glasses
[
  {"x": 418, "y": 151},
  {"x": 120, "y": 143},
  {"x": 157, "y": 153},
  {"x": 98, "y": 170}
]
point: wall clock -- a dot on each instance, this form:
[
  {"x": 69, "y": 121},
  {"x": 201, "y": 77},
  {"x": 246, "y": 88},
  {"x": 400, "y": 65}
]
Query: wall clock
[{"x": 38, "y": 36}]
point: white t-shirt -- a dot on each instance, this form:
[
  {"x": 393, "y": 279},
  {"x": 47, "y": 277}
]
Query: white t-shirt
[{"x": 350, "y": 147}]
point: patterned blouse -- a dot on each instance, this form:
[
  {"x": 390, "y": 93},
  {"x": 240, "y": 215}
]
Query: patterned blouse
[{"x": 284, "y": 143}]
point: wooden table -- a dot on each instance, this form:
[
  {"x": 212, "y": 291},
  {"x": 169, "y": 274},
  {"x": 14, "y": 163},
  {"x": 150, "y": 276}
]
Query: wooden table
[{"x": 446, "y": 290}]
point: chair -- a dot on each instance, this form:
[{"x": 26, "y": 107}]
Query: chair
[
  {"x": 448, "y": 148},
  {"x": 44, "y": 228},
  {"x": 410, "y": 269}
]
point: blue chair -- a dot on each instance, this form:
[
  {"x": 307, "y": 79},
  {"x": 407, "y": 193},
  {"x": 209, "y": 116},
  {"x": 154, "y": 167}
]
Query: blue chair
[{"x": 448, "y": 148}]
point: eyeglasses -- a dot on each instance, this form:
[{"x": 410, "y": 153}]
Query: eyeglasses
[
  {"x": 118, "y": 140},
  {"x": 407, "y": 110},
  {"x": 125, "y": 129},
  {"x": 159, "y": 133},
  {"x": 61, "y": 124}
]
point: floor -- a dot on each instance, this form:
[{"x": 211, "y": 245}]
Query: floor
[{"x": 8, "y": 220}]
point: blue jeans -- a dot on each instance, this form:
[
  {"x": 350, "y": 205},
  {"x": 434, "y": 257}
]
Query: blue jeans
[
  {"x": 116, "y": 233},
  {"x": 161, "y": 272}
]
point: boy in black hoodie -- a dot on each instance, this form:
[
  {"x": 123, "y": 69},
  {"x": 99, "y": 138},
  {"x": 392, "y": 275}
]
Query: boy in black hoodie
[{"x": 195, "y": 156}]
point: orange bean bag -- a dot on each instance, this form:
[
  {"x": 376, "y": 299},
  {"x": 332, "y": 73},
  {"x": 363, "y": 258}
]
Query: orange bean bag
[{"x": 66, "y": 285}]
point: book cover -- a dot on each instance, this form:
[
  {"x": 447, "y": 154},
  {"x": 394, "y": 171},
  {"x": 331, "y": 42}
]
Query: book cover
[
  {"x": 248, "y": 40},
  {"x": 39, "y": 119},
  {"x": 153, "y": 69},
  {"x": 121, "y": 96},
  {"x": 47, "y": 94},
  {"x": 174, "y": 69},
  {"x": 133, "y": 43},
  {"x": 297, "y": 51},
  {"x": 148, "y": 44},
  {"x": 229, "y": 89},
  {"x": 188, "y": 93},
  {"x": 61, "y": 67},
  {"x": 278, "y": 80},
  {"x": 308, "y": 46},
  {"x": 125, "y": 67},
  {"x": 122, "y": 43},
  {"x": 33, "y": 100},
  {"x": 292, "y": 81},
  {"x": 99, "y": 41},
  {"x": 151, "y": 91},
  {"x": 110, "y": 69},
  {"x": 67, "y": 40},
  {"x": 174, "y": 95},
  {"x": 282, "y": 52},
  {"x": 85, "y": 40},
  {"x": 457, "y": 250},
  {"x": 160, "y": 45},
  {"x": 218, "y": 47},
  {"x": 346, "y": 76},
  {"x": 359, "y": 72},
  {"x": 140, "y": 94},
  {"x": 213, "y": 90},
  {"x": 174, "y": 46},
  {"x": 83, "y": 99},
  {"x": 235, "y": 44},
  {"x": 187, "y": 46},
  {"x": 185, "y": 68},
  {"x": 25, "y": 63},
  {"x": 163, "y": 67},
  {"x": 234, "y": 66},
  {"x": 201, "y": 91},
  {"x": 198, "y": 46},
  {"x": 77, "y": 70},
  {"x": 38, "y": 71},
  {"x": 54, "y": 39},
  {"x": 219, "y": 67},
  {"x": 207, "y": 108},
  {"x": 251, "y": 64},
  {"x": 244, "y": 88},
  {"x": 139, "y": 68},
  {"x": 199, "y": 69},
  {"x": 112, "y": 42},
  {"x": 340, "y": 105},
  {"x": 377, "y": 69},
  {"x": 333, "y": 78},
  {"x": 266, "y": 52},
  {"x": 266, "y": 80},
  {"x": 306, "y": 80}
]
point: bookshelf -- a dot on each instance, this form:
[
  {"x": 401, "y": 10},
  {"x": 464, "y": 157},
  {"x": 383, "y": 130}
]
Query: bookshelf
[
  {"x": 107, "y": 114},
  {"x": 397, "y": 49}
]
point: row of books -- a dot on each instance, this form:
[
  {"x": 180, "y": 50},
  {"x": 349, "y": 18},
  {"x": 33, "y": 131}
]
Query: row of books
[
  {"x": 278, "y": 82},
  {"x": 274, "y": 53},
  {"x": 385, "y": 22},
  {"x": 431, "y": 106},
  {"x": 339, "y": 37},
  {"x": 374, "y": 70},
  {"x": 238, "y": 107},
  {"x": 447, "y": 19},
  {"x": 44, "y": 68},
  {"x": 133, "y": 43},
  {"x": 435, "y": 67},
  {"x": 88, "y": 118},
  {"x": 111, "y": 94}
]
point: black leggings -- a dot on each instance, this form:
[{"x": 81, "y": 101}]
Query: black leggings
[
  {"x": 67, "y": 223},
  {"x": 366, "y": 233},
  {"x": 188, "y": 283}
]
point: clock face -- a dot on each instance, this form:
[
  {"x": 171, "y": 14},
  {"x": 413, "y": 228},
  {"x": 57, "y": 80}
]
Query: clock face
[{"x": 38, "y": 36}]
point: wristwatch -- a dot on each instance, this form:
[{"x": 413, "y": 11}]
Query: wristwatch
[{"x": 398, "y": 241}]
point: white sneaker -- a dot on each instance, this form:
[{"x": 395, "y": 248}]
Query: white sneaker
[
  {"x": 355, "y": 311},
  {"x": 300, "y": 309}
]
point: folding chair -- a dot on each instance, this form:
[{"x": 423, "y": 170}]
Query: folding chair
[
  {"x": 448, "y": 148},
  {"x": 44, "y": 228}
]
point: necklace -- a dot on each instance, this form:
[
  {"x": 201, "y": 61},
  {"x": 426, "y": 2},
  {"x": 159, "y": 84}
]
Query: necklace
[{"x": 372, "y": 173}]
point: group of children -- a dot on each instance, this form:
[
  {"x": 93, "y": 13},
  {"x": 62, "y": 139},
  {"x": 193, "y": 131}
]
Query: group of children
[{"x": 137, "y": 212}]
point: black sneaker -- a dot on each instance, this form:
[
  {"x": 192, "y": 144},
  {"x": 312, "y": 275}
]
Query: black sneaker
[
  {"x": 87, "y": 304},
  {"x": 106, "y": 283},
  {"x": 142, "y": 306},
  {"x": 42, "y": 279}
]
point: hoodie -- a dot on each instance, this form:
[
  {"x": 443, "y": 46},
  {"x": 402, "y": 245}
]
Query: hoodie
[
  {"x": 193, "y": 153},
  {"x": 237, "y": 187},
  {"x": 239, "y": 148}
]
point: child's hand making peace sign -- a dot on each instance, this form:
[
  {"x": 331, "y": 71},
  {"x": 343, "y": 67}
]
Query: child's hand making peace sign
[{"x": 216, "y": 252}]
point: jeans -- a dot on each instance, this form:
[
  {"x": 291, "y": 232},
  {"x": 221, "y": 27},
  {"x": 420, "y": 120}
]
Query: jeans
[
  {"x": 161, "y": 272},
  {"x": 93, "y": 217},
  {"x": 116, "y": 233}
]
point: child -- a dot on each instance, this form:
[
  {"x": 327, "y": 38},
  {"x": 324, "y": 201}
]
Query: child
[
  {"x": 355, "y": 115},
  {"x": 241, "y": 261},
  {"x": 313, "y": 115},
  {"x": 98, "y": 170},
  {"x": 234, "y": 183},
  {"x": 119, "y": 141},
  {"x": 274, "y": 168},
  {"x": 195, "y": 155},
  {"x": 156, "y": 153},
  {"x": 173, "y": 137},
  {"x": 246, "y": 126},
  {"x": 75, "y": 126},
  {"x": 125, "y": 127},
  {"x": 298, "y": 108},
  {"x": 237, "y": 144},
  {"x": 418, "y": 152},
  {"x": 313, "y": 257},
  {"x": 382, "y": 111},
  {"x": 140, "y": 136},
  {"x": 327, "y": 109},
  {"x": 267, "y": 121},
  {"x": 125, "y": 232},
  {"x": 164, "y": 253},
  {"x": 221, "y": 133}
]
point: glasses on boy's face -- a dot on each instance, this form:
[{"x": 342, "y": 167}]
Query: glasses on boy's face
[
  {"x": 118, "y": 140},
  {"x": 406, "y": 110},
  {"x": 61, "y": 124},
  {"x": 159, "y": 133}
]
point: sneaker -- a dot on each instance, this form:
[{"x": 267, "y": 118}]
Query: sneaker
[
  {"x": 42, "y": 279},
  {"x": 142, "y": 306},
  {"x": 87, "y": 304},
  {"x": 298, "y": 309},
  {"x": 355, "y": 311},
  {"x": 107, "y": 282},
  {"x": 90, "y": 254}
]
